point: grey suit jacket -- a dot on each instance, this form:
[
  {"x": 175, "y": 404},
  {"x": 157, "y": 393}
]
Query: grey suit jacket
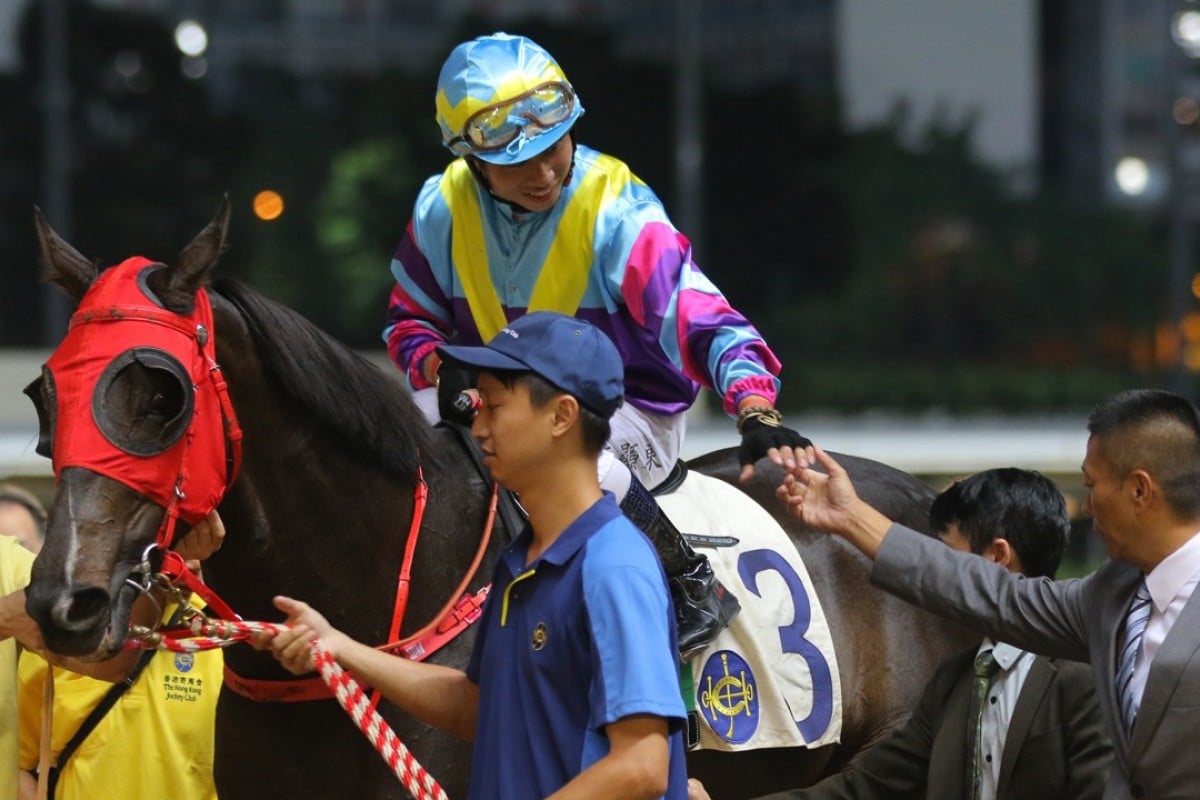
[
  {"x": 1078, "y": 619},
  {"x": 1055, "y": 748}
]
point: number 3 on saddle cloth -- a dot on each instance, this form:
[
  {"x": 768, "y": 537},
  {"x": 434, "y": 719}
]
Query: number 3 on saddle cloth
[{"x": 770, "y": 679}]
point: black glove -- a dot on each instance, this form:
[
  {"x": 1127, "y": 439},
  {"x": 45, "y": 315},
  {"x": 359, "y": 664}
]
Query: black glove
[
  {"x": 763, "y": 429},
  {"x": 455, "y": 403}
]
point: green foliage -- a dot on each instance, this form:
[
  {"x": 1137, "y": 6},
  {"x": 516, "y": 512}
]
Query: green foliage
[
  {"x": 961, "y": 293},
  {"x": 356, "y": 224},
  {"x": 855, "y": 385}
]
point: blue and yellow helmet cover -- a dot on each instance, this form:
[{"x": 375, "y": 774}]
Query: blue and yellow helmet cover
[{"x": 514, "y": 94}]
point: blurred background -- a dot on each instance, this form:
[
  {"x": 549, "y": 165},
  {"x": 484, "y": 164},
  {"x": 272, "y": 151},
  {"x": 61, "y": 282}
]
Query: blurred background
[{"x": 959, "y": 225}]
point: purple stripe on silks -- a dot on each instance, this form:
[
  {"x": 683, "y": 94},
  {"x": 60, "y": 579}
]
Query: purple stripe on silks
[
  {"x": 464, "y": 322},
  {"x": 712, "y": 313},
  {"x": 652, "y": 272},
  {"x": 743, "y": 350},
  {"x": 417, "y": 268},
  {"x": 710, "y": 316},
  {"x": 652, "y": 382},
  {"x": 660, "y": 285}
]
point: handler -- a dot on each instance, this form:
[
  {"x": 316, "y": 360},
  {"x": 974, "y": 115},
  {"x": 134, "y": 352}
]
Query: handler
[
  {"x": 573, "y": 685},
  {"x": 525, "y": 219}
]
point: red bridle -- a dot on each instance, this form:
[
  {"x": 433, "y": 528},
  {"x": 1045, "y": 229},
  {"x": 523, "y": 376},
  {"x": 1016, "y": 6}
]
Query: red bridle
[
  {"x": 118, "y": 323},
  {"x": 118, "y": 316}
]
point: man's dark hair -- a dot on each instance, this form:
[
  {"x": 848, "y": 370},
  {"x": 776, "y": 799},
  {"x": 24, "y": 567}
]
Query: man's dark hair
[
  {"x": 596, "y": 429},
  {"x": 1021, "y": 506},
  {"x": 1157, "y": 431}
]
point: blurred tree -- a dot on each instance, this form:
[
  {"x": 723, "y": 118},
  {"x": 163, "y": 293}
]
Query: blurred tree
[
  {"x": 950, "y": 268},
  {"x": 778, "y": 223},
  {"x": 357, "y": 225},
  {"x": 348, "y": 154}
]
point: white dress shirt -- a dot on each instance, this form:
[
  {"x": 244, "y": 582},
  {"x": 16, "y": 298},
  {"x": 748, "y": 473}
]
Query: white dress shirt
[
  {"x": 1171, "y": 584},
  {"x": 998, "y": 711}
]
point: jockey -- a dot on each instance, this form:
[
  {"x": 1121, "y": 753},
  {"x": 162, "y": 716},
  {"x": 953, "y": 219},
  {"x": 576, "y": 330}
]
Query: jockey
[{"x": 526, "y": 219}]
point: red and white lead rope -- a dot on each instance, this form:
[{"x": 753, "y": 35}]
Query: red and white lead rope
[{"x": 209, "y": 634}]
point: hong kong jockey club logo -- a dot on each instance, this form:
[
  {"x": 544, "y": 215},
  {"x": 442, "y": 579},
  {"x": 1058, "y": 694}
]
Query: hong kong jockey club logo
[
  {"x": 727, "y": 693},
  {"x": 540, "y": 635}
]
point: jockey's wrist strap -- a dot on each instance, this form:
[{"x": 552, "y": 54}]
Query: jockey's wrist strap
[{"x": 765, "y": 415}]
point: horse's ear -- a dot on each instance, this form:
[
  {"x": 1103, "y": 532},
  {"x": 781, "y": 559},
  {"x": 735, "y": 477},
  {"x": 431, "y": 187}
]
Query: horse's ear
[
  {"x": 176, "y": 287},
  {"x": 62, "y": 264}
]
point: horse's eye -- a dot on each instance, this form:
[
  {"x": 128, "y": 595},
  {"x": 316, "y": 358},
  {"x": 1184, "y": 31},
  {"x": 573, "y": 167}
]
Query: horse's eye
[{"x": 165, "y": 404}]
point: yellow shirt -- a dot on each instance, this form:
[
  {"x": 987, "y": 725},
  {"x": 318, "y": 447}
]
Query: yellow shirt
[
  {"x": 156, "y": 742},
  {"x": 15, "y": 563}
]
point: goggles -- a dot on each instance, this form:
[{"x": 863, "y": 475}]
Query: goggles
[{"x": 496, "y": 126}]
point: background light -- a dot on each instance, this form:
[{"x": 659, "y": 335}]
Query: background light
[
  {"x": 191, "y": 38},
  {"x": 268, "y": 205},
  {"x": 1133, "y": 176},
  {"x": 1186, "y": 111}
]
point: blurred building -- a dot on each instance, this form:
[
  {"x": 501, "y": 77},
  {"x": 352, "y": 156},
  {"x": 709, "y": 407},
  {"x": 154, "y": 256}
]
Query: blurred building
[
  {"x": 939, "y": 56},
  {"x": 755, "y": 39},
  {"x": 1121, "y": 111},
  {"x": 1064, "y": 90},
  {"x": 947, "y": 61}
]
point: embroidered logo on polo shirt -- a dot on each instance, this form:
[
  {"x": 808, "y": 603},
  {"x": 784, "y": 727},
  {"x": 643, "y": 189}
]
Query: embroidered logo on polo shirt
[
  {"x": 728, "y": 696},
  {"x": 540, "y": 635}
]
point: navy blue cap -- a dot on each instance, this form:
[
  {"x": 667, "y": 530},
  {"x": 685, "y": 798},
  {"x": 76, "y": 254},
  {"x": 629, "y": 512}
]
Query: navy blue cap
[{"x": 574, "y": 355}]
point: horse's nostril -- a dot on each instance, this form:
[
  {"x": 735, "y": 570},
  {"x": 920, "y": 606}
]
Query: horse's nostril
[{"x": 80, "y": 611}]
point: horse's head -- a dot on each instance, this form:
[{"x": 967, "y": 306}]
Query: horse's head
[{"x": 134, "y": 414}]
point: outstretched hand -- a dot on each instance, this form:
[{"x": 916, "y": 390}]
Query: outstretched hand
[
  {"x": 820, "y": 499},
  {"x": 826, "y": 500}
]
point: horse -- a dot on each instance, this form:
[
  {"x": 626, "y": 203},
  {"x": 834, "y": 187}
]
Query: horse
[{"x": 320, "y": 510}]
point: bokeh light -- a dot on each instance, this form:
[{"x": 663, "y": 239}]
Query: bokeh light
[
  {"x": 1133, "y": 176},
  {"x": 268, "y": 205},
  {"x": 1186, "y": 111},
  {"x": 191, "y": 38}
]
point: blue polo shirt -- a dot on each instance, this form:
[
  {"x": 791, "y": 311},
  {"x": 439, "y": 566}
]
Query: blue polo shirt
[{"x": 582, "y": 637}]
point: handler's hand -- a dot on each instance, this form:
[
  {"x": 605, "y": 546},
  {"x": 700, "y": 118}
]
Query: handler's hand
[
  {"x": 292, "y": 646},
  {"x": 696, "y": 790},
  {"x": 204, "y": 539},
  {"x": 821, "y": 500},
  {"x": 15, "y": 623}
]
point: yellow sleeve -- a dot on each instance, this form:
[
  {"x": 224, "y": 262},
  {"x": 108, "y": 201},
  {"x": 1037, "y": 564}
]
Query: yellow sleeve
[
  {"x": 31, "y": 678},
  {"x": 15, "y": 564}
]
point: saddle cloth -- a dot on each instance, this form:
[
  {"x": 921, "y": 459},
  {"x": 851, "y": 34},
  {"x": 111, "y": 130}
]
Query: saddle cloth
[{"x": 771, "y": 678}]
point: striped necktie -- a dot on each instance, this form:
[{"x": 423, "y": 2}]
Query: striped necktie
[
  {"x": 986, "y": 668},
  {"x": 1135, "y": 627}
]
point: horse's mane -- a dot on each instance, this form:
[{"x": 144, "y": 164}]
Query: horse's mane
[{"x": 349, "y": 396}]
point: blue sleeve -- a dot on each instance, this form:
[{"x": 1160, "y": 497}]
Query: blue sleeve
[
  {"x": 631, "y": 621},
  {"x": 486, "y": 621}
]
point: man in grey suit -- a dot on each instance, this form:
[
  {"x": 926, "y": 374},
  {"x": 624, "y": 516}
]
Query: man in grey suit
[
  {"x": 1135, "y": 620},
  {"x": 1041, "y": 736}
]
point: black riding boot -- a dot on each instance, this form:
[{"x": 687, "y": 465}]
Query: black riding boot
[{"x": 703, "y": 607}]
